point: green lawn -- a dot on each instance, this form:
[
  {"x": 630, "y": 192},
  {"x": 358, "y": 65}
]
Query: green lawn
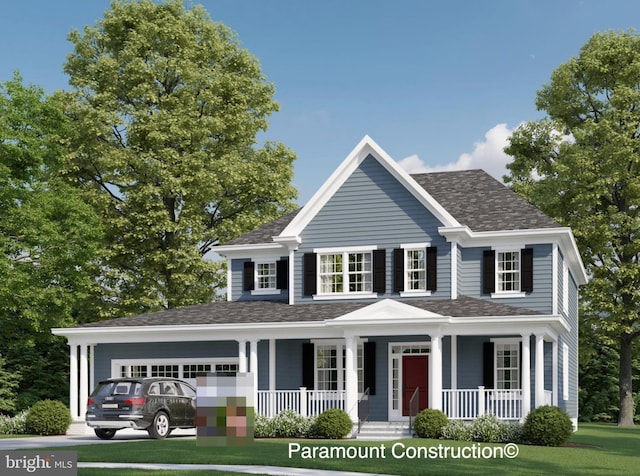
[{"x": 595, "y": 449}]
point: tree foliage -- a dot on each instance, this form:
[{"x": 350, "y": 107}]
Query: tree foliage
[
  {"x": 581, "y": 165},
  {"x": 48, "y": 235},
  {"x": 166, "y": 107}
]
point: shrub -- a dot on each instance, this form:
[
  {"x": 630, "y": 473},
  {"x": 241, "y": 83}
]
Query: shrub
[
  {"x": 15, "y": 425},
  {"x": 333, "y": 423},
  {"x": 457, "y": 430},
  {"x": 429, "y": 423},
  {"x": 512, "y": 432},
  {"x": 48, "y": 417},
  {"x": 547, "y": 426},
  {"x": 264, "y": 427},
  {"x": 487, "y": 428},
  {"x": 289, "y": 424}
]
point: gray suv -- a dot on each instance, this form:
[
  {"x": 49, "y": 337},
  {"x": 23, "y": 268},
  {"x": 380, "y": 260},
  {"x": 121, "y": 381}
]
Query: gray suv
[{"x": 155, "y": 404}]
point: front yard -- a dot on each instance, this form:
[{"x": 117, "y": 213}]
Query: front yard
[{"x": 596, "y": 449}]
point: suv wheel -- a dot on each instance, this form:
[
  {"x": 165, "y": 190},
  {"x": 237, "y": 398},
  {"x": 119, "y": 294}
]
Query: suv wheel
[
  {"x": 105, "y": 433},
  {"x": 160, "y": 427}
]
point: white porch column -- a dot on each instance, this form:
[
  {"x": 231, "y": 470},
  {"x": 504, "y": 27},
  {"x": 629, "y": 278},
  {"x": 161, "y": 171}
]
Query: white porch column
[
  {"x": 242, "y": 356},
  {"x": 84, "y": 380},
  {"x": 351, "y": 378},
  {"x": 73, "y": 380},
  {"x": 92, "y": 367},
  {"x": 435, "y": 372},
  {"x": 526, "y": 375},
  {"x": 554, "y": 372},
  {"x": 539, "y": 371},
  {"x": 272, "y": 364},
  {"x": 253, "y": 367}
]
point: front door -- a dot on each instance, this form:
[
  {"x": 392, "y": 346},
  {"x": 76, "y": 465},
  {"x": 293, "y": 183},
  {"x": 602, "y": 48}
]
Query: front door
[{"x": 415, "y": 370}]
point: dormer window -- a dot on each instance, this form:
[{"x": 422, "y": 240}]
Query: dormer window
[{"x": 266, "y": 275}]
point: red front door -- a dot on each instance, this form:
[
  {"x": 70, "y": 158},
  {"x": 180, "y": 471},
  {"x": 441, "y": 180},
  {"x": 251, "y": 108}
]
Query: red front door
[{"x": 414, "y": 375}]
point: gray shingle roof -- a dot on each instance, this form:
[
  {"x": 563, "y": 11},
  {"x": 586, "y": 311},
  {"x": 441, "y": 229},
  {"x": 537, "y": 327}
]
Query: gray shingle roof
[
  {"x": 247, "y": 312},
  {"x": 481, "y": 202},
  {"x": 473, "y": 197}
]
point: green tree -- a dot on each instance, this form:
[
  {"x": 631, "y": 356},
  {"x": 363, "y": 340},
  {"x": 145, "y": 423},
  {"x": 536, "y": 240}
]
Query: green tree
[
  {"x": 167, "y": 106},
  {"x": 581, "y": 165},
  {"x": 48, "y": 235}
]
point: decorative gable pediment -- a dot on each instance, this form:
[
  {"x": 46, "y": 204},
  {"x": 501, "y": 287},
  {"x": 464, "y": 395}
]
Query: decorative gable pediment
[{"x": 383, "y": 311}]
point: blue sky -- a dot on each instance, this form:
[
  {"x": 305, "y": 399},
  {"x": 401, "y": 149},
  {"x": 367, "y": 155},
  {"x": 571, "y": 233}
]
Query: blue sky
[{"x": 438, "y": 84}]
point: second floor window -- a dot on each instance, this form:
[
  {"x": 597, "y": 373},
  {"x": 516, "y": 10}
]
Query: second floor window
[
  {"x": 266, "y": 275},
  {"x": 346, "y": 273},
  {"x": 416, "y": 270},
  {"x": 508, "y": 271}
]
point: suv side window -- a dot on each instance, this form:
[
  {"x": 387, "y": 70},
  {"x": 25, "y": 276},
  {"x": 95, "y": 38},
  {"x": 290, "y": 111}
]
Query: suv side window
[
  {"x": 154, "y": 389},
  {"x": 187, "y": 391},
  {"x": 169, "y": 388}
]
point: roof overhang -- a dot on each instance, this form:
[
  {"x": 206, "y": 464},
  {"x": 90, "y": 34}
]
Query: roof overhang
[
  {"x": 562, "y": 236},
  {"x": 386, "y": 317}
]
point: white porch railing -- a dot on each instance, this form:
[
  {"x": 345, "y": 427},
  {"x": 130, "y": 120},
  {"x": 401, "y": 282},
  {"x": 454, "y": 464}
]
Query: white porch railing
[
  {"x": 468, "y": 404},
  {"x": 303, "y": 401}
]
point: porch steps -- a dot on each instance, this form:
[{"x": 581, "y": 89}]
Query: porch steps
[{"x": 384, "y": 430}]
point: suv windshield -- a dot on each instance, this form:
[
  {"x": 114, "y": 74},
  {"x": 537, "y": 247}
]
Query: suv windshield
[{"x": 107, "y": 389}]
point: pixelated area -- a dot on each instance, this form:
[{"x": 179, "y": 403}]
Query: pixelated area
[{"x": 225, "y": 414}]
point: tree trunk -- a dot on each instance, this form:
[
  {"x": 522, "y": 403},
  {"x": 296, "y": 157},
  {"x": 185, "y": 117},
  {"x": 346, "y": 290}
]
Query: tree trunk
[{"x": 625, "y": 381}]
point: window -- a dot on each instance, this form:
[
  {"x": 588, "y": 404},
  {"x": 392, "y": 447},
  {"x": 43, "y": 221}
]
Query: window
[
  {"x": 165, "y": 371},
  {"x": 416, "y": 270},
  {"x": 193, "y": 370},
  {"x": 185, "y": 369},
  {"x": 266, "y": 275},
  {"x": 355, "y": 277},
  {"x": 331, "y": 371},
  {"x": 507, "y": 365},
  {"x": 508, "y": 271}
]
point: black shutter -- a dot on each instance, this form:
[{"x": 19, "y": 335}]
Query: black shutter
[
  {"x": 488, "y": 272},
  {"x": 282, "y": 274},
  {"x": 370, "y": 367},
  {"x": 488, "y": 364},
  {"x": 308, "y": 365},
  {"x": 309, "y": 274},
  {"x": 432, "y": 268},
  {"x": 526, "y": 270},
  {"x": 248, "y": 276},
  {"x": 379, "y": 271},
  {"x": 398, "y": 270}
]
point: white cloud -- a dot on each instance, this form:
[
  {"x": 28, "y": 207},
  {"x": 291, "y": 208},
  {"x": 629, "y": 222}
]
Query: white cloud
[{"x": 487, "y": 155}]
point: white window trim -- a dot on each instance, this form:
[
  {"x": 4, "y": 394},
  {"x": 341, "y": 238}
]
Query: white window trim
[
  {"x": 506, "y": 341},
  {"x": 264, "y": 291},
  {"x": 417, "y": 292},
  {"x": 345, "y": 251},
  {"x": 340, "y": 346},
  {"x": 507, "y": 294},
  {"x": 565, "y": 288}
]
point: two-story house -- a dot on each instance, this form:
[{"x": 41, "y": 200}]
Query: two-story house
[{"x": 444, "y": 289}]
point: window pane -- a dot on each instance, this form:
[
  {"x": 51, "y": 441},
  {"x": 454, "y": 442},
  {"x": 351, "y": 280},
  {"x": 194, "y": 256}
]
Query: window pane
[{"x": 416, "y": 270}]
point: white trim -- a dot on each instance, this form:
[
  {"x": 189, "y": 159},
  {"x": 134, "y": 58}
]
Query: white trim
[
  {"x": 265, "y": 292},
  {"x": 252, "y": 250},
  {"x": 554, "y": 372},
  {"x": 454, "y": 269},
  {"x": 554, "y": 277},
  {"x": 508, "y": 294},
  {"x": 414, "y": 246},
  {"x": 360, "y": 152},
  {"x": 565, "y": 372},
  {"x": 565, "y": 288},
  {"x": 407, "y": 247},
  {"x": 404, "y": 294},
  {"x": 346, "y": 249},
  {"x": 562, "y": 236},
  {"x": 116, "y": 364}
]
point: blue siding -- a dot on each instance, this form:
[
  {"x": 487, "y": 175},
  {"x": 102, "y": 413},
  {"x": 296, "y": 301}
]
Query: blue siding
[
  {"x": 162, "y": 350},
  {"x": 369, "y": 209},
  {"x": 470, "y": 278}
]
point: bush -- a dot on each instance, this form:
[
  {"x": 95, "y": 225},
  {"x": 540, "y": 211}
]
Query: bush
[
  {"x": 547, "y": 426},
  {"x": 15, "y": 425},
  {"x": 512, "y": 432},
  {"x": 264, "y": 427},
  {"x": 333, "y": 423},
  {"x": 487, "y": 428},
  {"x": 289, "y": 424},
  {"x": 457, "y": 430},
  {"x": 429, "y": 423},
  {"x": 48, "y": 417}
]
